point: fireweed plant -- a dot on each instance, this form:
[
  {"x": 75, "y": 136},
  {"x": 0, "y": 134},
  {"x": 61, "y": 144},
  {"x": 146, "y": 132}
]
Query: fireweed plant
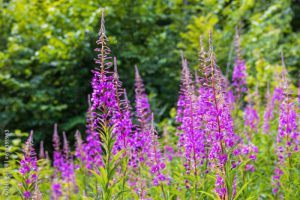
[
  {"x": 28, "y": 169},
  {"x": 287, "y": 138},
  {"x": 226, "y": 142}
]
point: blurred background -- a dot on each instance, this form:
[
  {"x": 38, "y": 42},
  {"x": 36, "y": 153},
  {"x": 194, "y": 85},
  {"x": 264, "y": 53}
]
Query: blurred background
[{"x": 47, "y": 51}]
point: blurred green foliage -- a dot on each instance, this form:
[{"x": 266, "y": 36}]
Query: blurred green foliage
[{"x": 46, "y": 50}]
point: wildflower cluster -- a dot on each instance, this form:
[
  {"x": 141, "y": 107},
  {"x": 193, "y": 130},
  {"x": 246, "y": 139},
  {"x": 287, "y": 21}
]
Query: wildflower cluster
[
  {"x": 211, "y": 150},
  {"x": 28, "y": 168},
  {"x": 288, "y": 135}
]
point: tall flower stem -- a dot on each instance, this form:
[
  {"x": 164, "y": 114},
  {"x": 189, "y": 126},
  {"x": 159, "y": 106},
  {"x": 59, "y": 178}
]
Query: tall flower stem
[
  {"x": 217, "y": 110},
  {"x": 124, "y": 175},
  {"x": 163, "y": 191}
]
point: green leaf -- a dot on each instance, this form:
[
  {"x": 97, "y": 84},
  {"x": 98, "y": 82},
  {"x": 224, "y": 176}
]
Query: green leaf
[{"x": 241, "y": 190}]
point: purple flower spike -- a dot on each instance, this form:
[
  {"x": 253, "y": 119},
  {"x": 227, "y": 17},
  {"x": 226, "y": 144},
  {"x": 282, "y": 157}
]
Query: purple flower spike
[
  {"x": 288, "y": 136},
  {"x": 219, "y": 124},
  {"x": 67, "y": 172},
  {"x": 155, "y": 160},
  {"x": 142, "y": 136},
  {"x": 28, "y": 166},
  {"x": 239, "y": 72},
  {"x": 66, "y": 148},
  {"x": 122, "y": 115},
  {"x": 191, "y": 136},
  {"x": 251, "y": 120},
  {"x": 80, "y": 153},
  {"x": 57, "y": 156},
  {"x": 103, "y": 99},
  {"x": 143, "y": 112},
  {"x": 272, "y": 102},
  {"x": 103, "y": 102},
  {"x": 92, "y": 148}
]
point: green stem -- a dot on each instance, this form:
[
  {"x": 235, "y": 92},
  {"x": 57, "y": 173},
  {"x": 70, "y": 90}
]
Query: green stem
[
  {"x": 124, "y": 179},
  {"x": 162, "y": 188},
  {"x": 108, "y": 168},
  {"x": 195, "y": 186}
]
